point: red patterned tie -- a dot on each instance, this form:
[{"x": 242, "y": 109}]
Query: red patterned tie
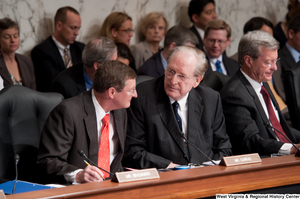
[
  {"x": 272, "y": 116},
  {"x": 103, "y": 153}
]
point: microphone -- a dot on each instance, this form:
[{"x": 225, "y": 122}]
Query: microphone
[
  {"x": 267, "y": 124},
  {"x": 183, "y": 136},
  {"x": 17, "y": 158},
  {"x": 81, "y": 153}
]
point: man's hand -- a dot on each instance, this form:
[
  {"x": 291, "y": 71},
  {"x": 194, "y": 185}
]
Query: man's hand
[
  {"x": 172, "y": 165},
  {"x": 89, "y": 174},
  {"x": 294, "y": 150}
]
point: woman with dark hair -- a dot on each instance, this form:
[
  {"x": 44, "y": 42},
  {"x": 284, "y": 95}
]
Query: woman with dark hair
[
  {"x": 15, "y": 69},
  {"x": 124, "y": 53}
]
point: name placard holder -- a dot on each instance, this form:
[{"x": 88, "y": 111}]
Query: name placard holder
[
  {"x": 137, "y": 175},
  {"x": 2, "y": 195},
  {"x": 240, "y": 159}
]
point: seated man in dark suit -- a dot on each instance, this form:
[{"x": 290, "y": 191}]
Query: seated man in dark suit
[
  {"x": 217, "y": 37},
  {"x": 156, "y": 65},
  {"x": 253, "y": 117},
  {"x": 201, "y": 12},
  {"x": 173, "y": 108},
  {"x": 59, "y": 51},
  {"x": 95, "y": 122},
  {"x": 78, "y": 78}
]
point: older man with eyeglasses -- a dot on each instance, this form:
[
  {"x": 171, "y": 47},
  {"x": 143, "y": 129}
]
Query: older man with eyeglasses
[
  {"x": 171, "y": 109},
  {"x": 217, "y": 37},
  {"x": 254, "y": 121}
]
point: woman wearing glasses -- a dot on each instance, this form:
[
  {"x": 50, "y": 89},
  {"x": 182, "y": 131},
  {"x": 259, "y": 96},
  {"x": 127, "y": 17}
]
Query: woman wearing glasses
[{"x": 118, "y": 27}]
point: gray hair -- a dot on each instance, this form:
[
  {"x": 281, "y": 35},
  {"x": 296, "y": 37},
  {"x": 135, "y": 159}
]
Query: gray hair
[
  {"x": 252, "y": 42},
  {"x": 201, "y": 64},
  {"x": 99, "y": 49},
  {"x": 180, "y": 35}
]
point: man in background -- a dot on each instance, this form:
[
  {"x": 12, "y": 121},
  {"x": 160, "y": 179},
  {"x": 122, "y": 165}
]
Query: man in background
[
  {"x": 201, "y": 12},
  {"x": 60, "y": 50},
  {"x": 79, "y": 77}
]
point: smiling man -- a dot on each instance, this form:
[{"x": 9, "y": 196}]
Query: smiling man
[
  {"x": 170, "y": 106},
  {"x": 95, "y": 122},
  {"x": 59, "y": 51},
  {"x": 249, "y": 106},
  {"x": 217, "y": 37}
]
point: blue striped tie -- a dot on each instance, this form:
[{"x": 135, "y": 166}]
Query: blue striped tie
[{"x": 178, "y": 118}]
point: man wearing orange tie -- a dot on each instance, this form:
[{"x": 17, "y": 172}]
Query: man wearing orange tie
[{"x": 89, "y": 122}]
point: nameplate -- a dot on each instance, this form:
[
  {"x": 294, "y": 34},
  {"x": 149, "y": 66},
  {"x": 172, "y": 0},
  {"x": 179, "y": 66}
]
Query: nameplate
[
  {"x": 131, "y": 176},
  {"x": 2, "y": 195},
  {"x": 240, "y": 159}
]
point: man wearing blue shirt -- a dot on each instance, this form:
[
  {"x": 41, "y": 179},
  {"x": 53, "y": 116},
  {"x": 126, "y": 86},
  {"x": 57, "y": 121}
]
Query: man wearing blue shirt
[{"x": 78, "y": 78}]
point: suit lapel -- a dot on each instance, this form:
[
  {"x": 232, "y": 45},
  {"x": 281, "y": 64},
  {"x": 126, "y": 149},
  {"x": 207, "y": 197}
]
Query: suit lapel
[
  {"x": 159, "y": 67},
  {"x": 4, "y": 72},
  {"x": 259, "y": 107},
  {"x": 195, "y": 110},
  {"x": 167, "y": 115},
  {"x": 91, "y": 126},
  {"x": 57, "y": 54},
  {"x": 288, "y": 58}
]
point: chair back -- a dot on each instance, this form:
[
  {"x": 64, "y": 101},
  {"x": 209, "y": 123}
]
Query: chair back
[
  {"x": 291, "y": 81},
  {"x": 215, "y": 80},
  {"x": 23, "y": 112}
]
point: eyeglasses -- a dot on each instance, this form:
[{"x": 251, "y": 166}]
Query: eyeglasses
[
  {"x": 127, "y": 31},
  {"x": 269, "y": 63},
  {"x": 170, "y": 73},
  {"x": 219, "y": 42},
  {"x": 132, "y": 91}
]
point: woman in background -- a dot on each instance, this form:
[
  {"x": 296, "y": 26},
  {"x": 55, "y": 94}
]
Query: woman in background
[
  {"x": 124, "y": 53},
  {"x": 152, "y": 31},
  {"x": 15, "y": 69},
  {"x": 118, "y": 27}
]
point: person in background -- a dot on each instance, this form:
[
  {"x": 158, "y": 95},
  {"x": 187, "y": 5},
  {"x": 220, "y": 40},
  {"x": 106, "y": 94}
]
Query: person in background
[
  {"x": 201, "y": 12},
  {"x": 15, "y": 69},
  {"x": 176, "y": 36},
  {"x": 124, "y": 53},
  {"x": 252, "y": 115},
  {"x": 118, "y": 27},
  {"x": 153, "y": 29},
  {"x": 217, "y": 37},
  {"x": 281, "y": 29},
  {"x": 79, "y": 77},
  {"x": 95, "y": 122},
  {"x": 174, "y": 106},
  {"x": 60, "y": 50}
]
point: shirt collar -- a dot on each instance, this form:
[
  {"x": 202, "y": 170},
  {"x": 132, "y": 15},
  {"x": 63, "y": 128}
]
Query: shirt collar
[
  {"x": 182, "y": 102},
  {"x": 255, "y": 84},
  {"x": 163, "y": 61},
  {"x": 200, "y": 31},
  {"x": 100, "y": 113},
  {"x": 59, "y": 45}
]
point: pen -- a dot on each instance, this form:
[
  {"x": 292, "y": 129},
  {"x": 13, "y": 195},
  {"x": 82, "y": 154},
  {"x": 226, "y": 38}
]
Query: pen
[
  {"x": 90, "y": 165},
  {"x": 86, "y": 163}
]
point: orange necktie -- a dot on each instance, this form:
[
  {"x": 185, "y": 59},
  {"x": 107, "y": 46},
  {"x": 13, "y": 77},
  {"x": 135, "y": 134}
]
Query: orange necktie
[{"x": 103, "y": 153}]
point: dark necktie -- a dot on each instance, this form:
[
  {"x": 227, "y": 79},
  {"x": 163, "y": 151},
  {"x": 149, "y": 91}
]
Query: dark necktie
[
  {"x": 178, "y": 118},
  {"x": 218, "y": 65},
  {"x": 272, "y": 116}
]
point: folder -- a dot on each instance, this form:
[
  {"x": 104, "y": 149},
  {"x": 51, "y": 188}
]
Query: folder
[{"x": 21, "y": 187}]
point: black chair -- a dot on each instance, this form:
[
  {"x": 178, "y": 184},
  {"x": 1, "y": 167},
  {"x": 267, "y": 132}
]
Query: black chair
[
  {"x": 142, "y": 78},
  {"x": 23, "y": 112},
  {"x": 215, "y": 80},
  {"x": 291, "y": 81}
]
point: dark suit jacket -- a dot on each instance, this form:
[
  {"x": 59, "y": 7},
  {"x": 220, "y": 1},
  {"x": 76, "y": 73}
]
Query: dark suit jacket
[
  {"x": 72, "y": 126},
  {"x": 48, "y": 61},
  {"x": 26, "y": 71},
  {"x": 154, "y": 139},
  {"x": 286, "y": 62},
  {"x": 69, "y": 82},
  {"x": 200, "y": 44},
  {"x": 230, "y": 64},
  {"x": 246, "y": 120},
  {"x": 152, "y": 67}
]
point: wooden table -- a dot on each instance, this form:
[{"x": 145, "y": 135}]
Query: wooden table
[{"x": 190, "y": 183}]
